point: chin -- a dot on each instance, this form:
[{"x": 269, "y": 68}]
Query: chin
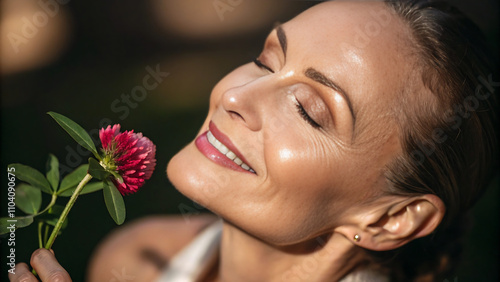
[
  {"x": 224, "y": 193},
  {"x": 177, "y": 171},
  {"x": 189, "y": 172}
]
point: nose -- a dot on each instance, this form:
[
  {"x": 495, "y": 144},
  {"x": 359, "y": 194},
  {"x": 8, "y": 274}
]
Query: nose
[{"x": 247, "y": 103}]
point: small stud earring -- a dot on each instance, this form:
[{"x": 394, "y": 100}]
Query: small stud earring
[{"x": 357, "y": 238}]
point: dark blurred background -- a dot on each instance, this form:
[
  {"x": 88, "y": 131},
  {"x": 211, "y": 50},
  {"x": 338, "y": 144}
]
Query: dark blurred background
[{"x": 84, "y": 58}]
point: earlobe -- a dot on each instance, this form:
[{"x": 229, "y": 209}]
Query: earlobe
[{"x": 397, "y": 224}]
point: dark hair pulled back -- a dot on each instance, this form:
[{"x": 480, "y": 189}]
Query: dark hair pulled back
[{"x": 448, "y": 150}]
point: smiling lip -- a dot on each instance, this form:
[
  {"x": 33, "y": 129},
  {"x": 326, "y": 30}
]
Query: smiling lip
[{"x": 233, "y": 161}]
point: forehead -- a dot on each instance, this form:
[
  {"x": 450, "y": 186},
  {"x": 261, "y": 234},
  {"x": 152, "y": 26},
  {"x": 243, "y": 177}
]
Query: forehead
[{"x": 361, "y": 45}]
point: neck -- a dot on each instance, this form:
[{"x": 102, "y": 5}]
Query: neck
[{"x": 246, "y": 258}]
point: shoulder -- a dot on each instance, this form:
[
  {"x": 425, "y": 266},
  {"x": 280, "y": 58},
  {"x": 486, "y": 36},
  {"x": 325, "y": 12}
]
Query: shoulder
[{"x": 139, "y": 249}]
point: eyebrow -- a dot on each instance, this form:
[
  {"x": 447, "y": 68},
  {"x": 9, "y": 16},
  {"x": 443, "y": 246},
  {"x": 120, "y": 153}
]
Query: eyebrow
[
  {"x": 316, "y": 75},
  {"x": 281, "y": 38}
]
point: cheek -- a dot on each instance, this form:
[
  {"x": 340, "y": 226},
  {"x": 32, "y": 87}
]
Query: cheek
[
  {"x": 305, "y": 160},
  {"x": 307, "y": 177}
]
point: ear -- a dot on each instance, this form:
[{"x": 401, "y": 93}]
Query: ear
[{"x": 388, "y": 227}]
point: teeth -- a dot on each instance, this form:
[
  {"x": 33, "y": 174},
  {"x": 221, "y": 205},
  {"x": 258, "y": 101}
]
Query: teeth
[
  {"x": 224, "y": 150},
  {"x": 231, "y": 155},
  {"x": 238, "y": 161}
]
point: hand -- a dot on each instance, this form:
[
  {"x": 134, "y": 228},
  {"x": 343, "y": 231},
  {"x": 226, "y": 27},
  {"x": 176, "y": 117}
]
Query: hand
[{"x": 46, "y": 266}]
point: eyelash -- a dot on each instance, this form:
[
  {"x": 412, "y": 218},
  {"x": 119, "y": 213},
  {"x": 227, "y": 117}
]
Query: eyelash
[
  {"x": 261, "y": 65},
  {"x": 305, "y": 116}
]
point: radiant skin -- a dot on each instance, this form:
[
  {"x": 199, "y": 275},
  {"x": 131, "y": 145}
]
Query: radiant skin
[
  {"x": 305, "y": 176},
  {"x": 314, "y": 118}
]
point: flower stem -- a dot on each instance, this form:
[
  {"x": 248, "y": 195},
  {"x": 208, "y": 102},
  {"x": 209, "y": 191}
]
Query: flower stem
[
  {"x": 52, "y": 202},
  {"x": 45, "y": 234},
  {"x": 40, "y": 243},
  {"x": 42, "y": 240},
  {"x": 66, "y": 210}
]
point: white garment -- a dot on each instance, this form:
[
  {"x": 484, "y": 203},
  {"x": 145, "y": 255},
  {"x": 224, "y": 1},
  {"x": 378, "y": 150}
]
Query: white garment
[
  {"x": 365, "y": 275},
  {"x": 193, "y": 260}
]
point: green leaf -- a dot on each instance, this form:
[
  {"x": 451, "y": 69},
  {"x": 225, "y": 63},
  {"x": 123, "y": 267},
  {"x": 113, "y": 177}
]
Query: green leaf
[
  {"x": 53, "y": 171},
  {"x": 32, "y": 176},
  {"x": 16, "y": 222},
  {"x": 114, "y": 202},
  {"x": 72, "y": 179},
  {"x": 28, "y": 198},
  {"x": 89, "y": 188},
  {"x": 96, "y": 170},
  {"x": 76, "y": 131},
  {"x": 117, "y": 176},
  {"x": 56, "y": 210}
]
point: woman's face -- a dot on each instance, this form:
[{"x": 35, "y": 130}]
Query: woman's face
[{"x": 313, "y": 119}]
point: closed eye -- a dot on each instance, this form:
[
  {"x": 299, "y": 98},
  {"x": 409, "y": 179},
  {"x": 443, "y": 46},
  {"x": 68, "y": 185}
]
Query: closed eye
[
  {"x": 306, "y": 116},
  {"x": 261, "y": 65}
]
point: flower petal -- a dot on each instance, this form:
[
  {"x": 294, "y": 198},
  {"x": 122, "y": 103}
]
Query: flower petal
[
  {"x": 108, "y": 134},
  {"x": 133, "y": 155}
]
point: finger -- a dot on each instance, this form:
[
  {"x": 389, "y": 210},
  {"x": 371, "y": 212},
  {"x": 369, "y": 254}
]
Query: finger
[
  {"x": 47, "y": 266},
  {"x": 22, "y": 273}
]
